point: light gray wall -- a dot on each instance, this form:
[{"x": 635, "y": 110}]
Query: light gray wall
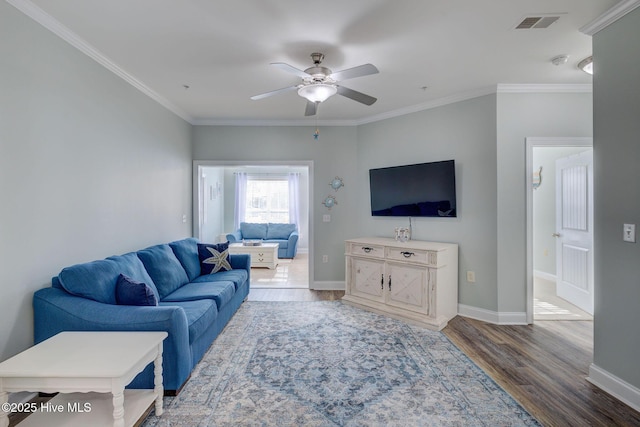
[
  {"x": 522, "y": 115},
  {"x": 334, "y": 153},
  {"x": 616, "y": 148},
  {"x": 544, "y": 207},
  {"x": 89, "y": 167},
  {"x": 466, "y": 132}
]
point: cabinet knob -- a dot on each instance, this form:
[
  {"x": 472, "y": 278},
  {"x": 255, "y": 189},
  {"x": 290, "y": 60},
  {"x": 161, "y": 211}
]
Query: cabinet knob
[
  {"x": 367, "y": 249},
  {"x": 407, "y": 254}
]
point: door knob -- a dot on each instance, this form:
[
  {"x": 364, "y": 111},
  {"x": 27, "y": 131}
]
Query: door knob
[{"x": 556, "y": 234}]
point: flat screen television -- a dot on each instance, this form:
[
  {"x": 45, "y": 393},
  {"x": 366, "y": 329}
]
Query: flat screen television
[{"x": 424, "y": 189}]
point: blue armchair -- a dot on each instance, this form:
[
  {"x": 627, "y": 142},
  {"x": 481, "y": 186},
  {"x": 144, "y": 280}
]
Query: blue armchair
[{"x": 285, "y": 235}]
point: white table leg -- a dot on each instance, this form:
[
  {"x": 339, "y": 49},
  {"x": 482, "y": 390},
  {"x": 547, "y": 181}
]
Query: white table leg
[
  {"x": 118, "y": 408},
  {"x": 157, "y": 381},
  {"x": 4, "y": 413}
]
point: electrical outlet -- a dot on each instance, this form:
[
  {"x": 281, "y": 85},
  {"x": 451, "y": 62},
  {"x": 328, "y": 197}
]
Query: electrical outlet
[
  {"x": 471, "y": 276},
  {"x": 326, "y": 218},
  {"x": 325, "y": 258},
  {"x": 184, "y": 218}
]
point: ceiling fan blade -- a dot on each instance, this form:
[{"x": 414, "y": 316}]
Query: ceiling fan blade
[
  {"x": 273, "y": 92},
  {"x": 312, "y": 108},
  {"x": 290, "y": 69},
  {"x": 350, "y": 73},
  {"x": 356, "y": 96}
]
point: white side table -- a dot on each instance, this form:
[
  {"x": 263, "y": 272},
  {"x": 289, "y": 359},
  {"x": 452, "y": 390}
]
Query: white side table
[{"x": 82, "y": 366}]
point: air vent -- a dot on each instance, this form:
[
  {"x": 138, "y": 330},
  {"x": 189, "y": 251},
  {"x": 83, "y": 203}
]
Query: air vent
[{"x": 531, "y": 22}]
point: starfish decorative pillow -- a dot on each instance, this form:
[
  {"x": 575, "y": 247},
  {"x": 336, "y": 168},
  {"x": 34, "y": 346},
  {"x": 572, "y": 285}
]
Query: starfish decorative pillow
[{"x": 214, "y": 257}]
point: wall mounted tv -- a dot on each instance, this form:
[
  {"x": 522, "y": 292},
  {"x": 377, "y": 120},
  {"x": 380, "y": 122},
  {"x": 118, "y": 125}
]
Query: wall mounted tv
[{"x": 425, "y": 189}]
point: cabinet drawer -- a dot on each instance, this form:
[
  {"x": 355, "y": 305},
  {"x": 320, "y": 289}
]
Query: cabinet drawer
[
  {"x": 263, "y": 256},
  {"x": 413, "y": 255},
  {"x": 366, "y": 249}
]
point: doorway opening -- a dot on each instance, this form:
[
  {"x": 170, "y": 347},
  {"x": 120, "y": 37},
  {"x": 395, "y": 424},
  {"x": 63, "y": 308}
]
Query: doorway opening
[
  {"x": 215, "y": 213},
  {"x": 559, "y": 229}
]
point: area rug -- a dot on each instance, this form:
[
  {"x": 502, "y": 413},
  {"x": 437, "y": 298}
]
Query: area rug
[{"x": 330, "y": 364}]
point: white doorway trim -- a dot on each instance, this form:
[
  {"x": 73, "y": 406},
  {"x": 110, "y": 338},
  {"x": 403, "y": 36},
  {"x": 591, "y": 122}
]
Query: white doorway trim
[
  {"x": 197, "y": 164},
  {"x": 530, "y": 143}
]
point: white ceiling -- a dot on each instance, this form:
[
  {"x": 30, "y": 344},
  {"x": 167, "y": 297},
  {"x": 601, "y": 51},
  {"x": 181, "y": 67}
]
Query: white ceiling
[{"x": 221, "y": 49}]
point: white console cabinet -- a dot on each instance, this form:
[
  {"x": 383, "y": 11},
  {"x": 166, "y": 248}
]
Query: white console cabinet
[{"x": 415, "y": 281}]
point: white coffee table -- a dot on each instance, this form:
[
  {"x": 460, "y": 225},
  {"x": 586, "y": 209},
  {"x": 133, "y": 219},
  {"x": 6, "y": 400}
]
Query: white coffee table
[
  {"x": 82, "y": 367},
  {"x": 263, "y": 255}
]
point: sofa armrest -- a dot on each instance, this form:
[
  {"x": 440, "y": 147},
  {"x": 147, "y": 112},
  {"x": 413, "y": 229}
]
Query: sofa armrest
[
  {"x": 240, "y": 261},
  {"x": 55, "y": 311},
  {"x": 293, "y": 244},
  {"x": 235, "y": 237}
]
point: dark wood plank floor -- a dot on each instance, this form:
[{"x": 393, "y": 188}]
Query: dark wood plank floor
[{"x": 543, "y": 366}]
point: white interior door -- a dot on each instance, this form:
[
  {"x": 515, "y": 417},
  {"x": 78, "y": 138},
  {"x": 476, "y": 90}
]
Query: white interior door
[{"x": 574, "y": 229}]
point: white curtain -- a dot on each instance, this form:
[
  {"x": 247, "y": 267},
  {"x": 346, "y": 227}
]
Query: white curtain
[
  {"x": 241, "y": 198},
  {"x": 294, "y": 199}
]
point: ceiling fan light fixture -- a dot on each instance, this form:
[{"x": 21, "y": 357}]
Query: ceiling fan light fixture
[
  {"x": 586, "y": 65},
  {"x": 317, "y": 92}
]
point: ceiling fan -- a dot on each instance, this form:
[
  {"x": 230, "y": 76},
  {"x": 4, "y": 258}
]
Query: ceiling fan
[{"x": 319, "y": 83}]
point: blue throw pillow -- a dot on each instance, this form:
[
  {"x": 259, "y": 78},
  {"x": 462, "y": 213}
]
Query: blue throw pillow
[
  {"x": 132, "y": 292},
  {"x": 213, "y": 258}
]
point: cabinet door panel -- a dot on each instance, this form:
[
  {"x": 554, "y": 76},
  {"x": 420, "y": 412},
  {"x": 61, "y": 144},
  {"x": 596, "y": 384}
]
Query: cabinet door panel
[
  {"x": 366, "y": 278},
  {"x": 407, "y": 286}
]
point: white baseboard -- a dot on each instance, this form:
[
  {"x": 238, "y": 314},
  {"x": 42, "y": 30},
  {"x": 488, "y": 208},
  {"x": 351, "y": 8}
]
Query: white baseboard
[
  {"x": 544, "y": 275},
  {"x": 328, "y": 286},
  {"x": 498, "y": 318},
  {"x": 615, "y": 386}
]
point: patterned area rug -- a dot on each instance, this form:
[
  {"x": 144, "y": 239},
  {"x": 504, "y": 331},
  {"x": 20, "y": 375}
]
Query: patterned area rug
[{"x": 329, "y": 364}]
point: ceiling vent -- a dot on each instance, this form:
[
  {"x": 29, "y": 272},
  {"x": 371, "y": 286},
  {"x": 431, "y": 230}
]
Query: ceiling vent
[{"x": 531, "y": 22}]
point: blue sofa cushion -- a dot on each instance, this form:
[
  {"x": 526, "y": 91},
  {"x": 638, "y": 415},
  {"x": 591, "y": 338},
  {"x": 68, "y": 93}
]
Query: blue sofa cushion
[
  {"x": 95, "y": 280},
  {"x": 282, "y": 244},
  {"x": 132, "y": 292},
  {"x": 221, "y": 292},
  {"x": 213, "y": 257},
  {"x": 252, "y": 230},
  {"x": 130, "y": 265},
  {"x": 186, "y": 250},
  {"x": 280, "y": 231},
  {"x": 238, "y": 277},
  {"x": 200, "y": 315},
  {"x": 164, "y": 268}
]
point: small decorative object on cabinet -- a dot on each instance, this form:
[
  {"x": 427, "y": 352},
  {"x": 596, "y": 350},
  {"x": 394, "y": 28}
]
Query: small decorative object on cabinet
[{"x": 414, "y": 281}]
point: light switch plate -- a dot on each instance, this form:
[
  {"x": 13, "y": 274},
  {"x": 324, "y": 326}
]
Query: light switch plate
[{"x": 629, "y": 233}]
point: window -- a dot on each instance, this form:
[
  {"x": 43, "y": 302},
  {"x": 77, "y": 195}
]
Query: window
[{"x": 267, "y": 200}]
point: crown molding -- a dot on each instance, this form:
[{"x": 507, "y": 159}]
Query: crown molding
[
  {"x": 545, "y": 88},
  {"x": 383, "y": 116},
  {"x": 270, "y": 122},
  {"x": 462, "y": 96},
  {"x": 53, "y": 25},
  {"x": 610, "y": 16}
]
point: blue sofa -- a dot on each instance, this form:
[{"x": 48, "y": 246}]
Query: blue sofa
[
  {"x": 193, "y": 308},
  {"x": 285, "y": 235}
]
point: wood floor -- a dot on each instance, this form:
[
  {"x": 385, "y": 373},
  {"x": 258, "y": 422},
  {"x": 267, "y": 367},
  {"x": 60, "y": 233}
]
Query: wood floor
[{"x": 543, "y": 366}]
